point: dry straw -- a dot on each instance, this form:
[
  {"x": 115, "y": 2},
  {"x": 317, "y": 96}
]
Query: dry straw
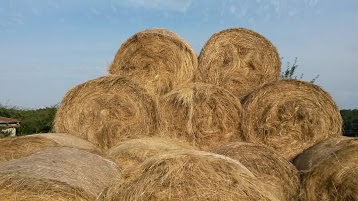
[
  {"x": 59, "y": 173},
  {"x": 133, "y": 152},
  {"x": 329, "y": 170},
  {"x": 239, "y": 60},
  {"x": 203, "y": 115},
  {"x": 290, "y": 116},
  {"x": 188, "y": 175},
  {"x": 267, "y": 165},
  {"x": 107, "y": 110},
  {"x": 21, "y": 146},
  {"x": 158, "y": 59}
]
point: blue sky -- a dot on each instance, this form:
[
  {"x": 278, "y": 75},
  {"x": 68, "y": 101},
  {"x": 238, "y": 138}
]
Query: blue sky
[{"x": 49, "y": 46}]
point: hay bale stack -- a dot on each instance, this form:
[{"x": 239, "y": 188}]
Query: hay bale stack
[
  {"x": 107, "y": 110},
  {"x": 22, "y": 146},
  {"x": 158, "y": 59},
  {"x": 290, "y": 116},
  {"x": 133, "y": 152},
  {"x": 267, "y": 165},
  {"x": 239, "y": 60},
  {"x": 59, "y": 173},
  {"x": 329, "y": 170},
  {"x": 203, "y": 115},
  {"x": 188, "y": 175}
]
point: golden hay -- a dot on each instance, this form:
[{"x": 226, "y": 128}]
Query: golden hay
[
  {"x": 204, "y": 115},
  {"x": 59, "y": 173},
  {"x": 188, "y": 175},
  {"x": 135, "y": 151},
  {"x": 267, "y": 165},
  {"x": 158, "y": 59},
  {"x": 290, "y": 116},
  {"x": 329, "y": 170},
  {"x": 239, "y": 60},
  {"x": 21, "y": 146},
  {"x": 107, "y": 110}
]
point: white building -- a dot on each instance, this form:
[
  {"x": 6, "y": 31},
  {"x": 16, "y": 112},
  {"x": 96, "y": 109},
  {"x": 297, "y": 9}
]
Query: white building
[{"x": 8, "y": 126}]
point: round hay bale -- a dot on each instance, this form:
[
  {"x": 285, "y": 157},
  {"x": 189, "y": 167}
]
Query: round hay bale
[
  {"x": 68, "y": 140},
  {"x": 239, "y": 60},
  {"x": 158, "y": 59},
  {"x": 59, "y": 173},
  {"x": 267, "y": 165},
  {"x": 107, "y": 110},
  {"x": 188, "y": 175},
  {"x": 329, "y": 170},
  {"x": 21, "y": 146},
  {"x": 203, "y": 115},
  {"x": 135, "y": 151},
  {"x": 290, "y": 116}
]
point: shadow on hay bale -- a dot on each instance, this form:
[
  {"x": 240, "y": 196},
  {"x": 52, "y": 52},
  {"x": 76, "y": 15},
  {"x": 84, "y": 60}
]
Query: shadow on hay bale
[
  {"x": 22, "y": 146},
  {"x": 290, "y": 116},
  {"x": 107, "y": 110},
  {"x": 157, "y": 59},
  {"x": 188, "y": 175},
  {"x": 135, "y": 151},
  {"x": 59, "y": 173},
  {"x": 239, "y": 60},
  {"x": 203, "y": 115},
  {"x": 267, "y": 165},
  {"x": 329, "y": 170}
]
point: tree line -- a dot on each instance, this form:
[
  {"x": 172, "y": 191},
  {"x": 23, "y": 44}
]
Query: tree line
[
  {"x": 32, "y": 120},
  {"x": 350, "y": 122}
]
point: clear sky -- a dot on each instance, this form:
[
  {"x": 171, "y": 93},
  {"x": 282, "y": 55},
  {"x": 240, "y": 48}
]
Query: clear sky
[{"x": 49, "y": 46}]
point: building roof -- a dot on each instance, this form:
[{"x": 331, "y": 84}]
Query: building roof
[{"x": 5, "y": 120}]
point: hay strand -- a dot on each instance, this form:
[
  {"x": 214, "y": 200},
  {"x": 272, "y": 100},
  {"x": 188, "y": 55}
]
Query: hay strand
[
  {"x": 239, "y": 60},
  {"x": 22, "y": 146},
  {"x": 158, "y": 59},
  {"x": 107, "y": 110},
  {"x": 267, "y": 165},
  {"x": 188, "y": 175},
  {"x": 203, "y": 115},
  {"x": 329, "y": 170},
  {"x": 59, "y": 173},
  {"x": 290, "y": 116},
  {"x": 135, "y": 151}
]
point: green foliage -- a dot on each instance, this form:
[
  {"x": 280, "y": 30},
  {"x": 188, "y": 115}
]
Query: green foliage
[
  {"x": 32, "y": 121},
  {"x": 350, "y": 121},
  {"x": 289, "y": 73}
]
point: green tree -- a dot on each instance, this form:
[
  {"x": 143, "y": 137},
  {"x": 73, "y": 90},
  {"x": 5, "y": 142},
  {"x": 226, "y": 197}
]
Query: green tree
[
  {"x": 350, "y": 122},
  {"x": 32, "y": 121}
]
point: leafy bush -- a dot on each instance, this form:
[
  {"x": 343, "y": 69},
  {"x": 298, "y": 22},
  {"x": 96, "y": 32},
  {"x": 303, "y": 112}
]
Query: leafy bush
[
  {"x": 350, "y": 122},
  {"x": 32, "y": 121}
]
